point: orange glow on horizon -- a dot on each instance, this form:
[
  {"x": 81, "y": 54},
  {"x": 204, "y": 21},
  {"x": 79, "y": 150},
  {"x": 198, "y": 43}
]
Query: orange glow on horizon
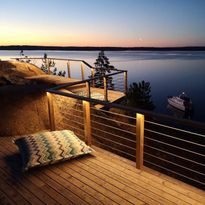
[
  {"x": 49, "y": 41},
  {"x": 19, "y": 35}
]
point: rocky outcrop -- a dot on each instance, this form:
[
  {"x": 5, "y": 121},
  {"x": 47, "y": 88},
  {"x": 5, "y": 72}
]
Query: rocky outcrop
[
  {"x": 15, "y": 72},
  {"x": 23, "y": 99},
  {"x": 23, "y": 110},
  {"x": 23, "y": 105}
]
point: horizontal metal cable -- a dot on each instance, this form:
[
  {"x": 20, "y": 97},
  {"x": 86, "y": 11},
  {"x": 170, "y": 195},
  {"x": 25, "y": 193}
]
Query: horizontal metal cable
[
  {"x": 113, "y": 120},
  {"x": 81, "y": 137},
  {"x": 79, "y": 117},
  {"x": 56, "y": 91},
  {"x": 79, "y": 104},
  {"x": 171, "y": 171},
  {"x": 125, "y": 131},
  {"x": 175, "y": 146},
  {"x": 118, "y": 85},
  {"x": 118, "y": 82},
  {"x": 170, "y": 136},
  {"x": 110, "y": 112},
  {"x": 82, "y": 130},
  {"x": 75, "y": 110},
  {"x": 174, "y": 128},
  {"x": 71, "y": 120},
  {"x": 174, "y": 164},
  {"x": 113, "y": 141},
  {"x": 115, "y": 149},
  {"x": 111, "y": 134},
  {"x": 160, "y": 150},
  {"x": 118, "y": 88}
]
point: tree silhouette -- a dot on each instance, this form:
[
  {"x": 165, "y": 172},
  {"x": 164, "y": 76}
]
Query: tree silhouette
[
  {"x": 103, "y": 67},
  {"x": 23, "y": 56},
  {"x": 47, "y": 64},
  {"x": 139, "y": 96}
]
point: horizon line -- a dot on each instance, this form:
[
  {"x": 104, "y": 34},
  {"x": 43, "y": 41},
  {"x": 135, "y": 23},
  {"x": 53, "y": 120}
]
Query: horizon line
[
  {"x": 109, "y": 46},
  {"x": 90, "y": 48}
]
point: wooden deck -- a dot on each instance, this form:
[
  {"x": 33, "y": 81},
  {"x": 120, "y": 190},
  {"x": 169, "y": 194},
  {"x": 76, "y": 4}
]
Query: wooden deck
[
  {"x": 100, "y": 178},
  {"x": 113, "y": 96}
]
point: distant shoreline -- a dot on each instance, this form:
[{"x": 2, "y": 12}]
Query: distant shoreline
[{"x": 109, "y": 48}]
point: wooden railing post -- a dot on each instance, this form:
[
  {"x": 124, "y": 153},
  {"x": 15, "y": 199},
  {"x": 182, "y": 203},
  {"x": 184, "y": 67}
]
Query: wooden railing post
[
  {"x": 48, "y": 66},
  {"x": 105, "y": 88},
  {"x": 51, "y": 112},
  {"x": 139, "y": 140},
  {"x": 82, "y": 71},
  {"x": 125, "y": 82},
  {"x": 93, "y": 74},
  {"x": 68, "y": 68},
  {"x": 87, "y": 122},
  {"x": 88, "y": 89}
]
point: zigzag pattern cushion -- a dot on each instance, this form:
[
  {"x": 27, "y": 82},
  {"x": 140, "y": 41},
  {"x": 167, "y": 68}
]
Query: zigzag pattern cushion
[{"x": 50, "y": 147}]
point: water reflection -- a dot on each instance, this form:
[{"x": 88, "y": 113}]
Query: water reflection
[
  {"x": 178, "y": 113},
  {"x": 139, "y": 96}
]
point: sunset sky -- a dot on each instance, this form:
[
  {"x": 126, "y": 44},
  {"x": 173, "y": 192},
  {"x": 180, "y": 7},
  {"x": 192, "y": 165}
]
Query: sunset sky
[{"x": 102, "y": 22}]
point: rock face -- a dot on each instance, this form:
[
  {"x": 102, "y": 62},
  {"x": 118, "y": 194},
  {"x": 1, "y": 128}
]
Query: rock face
[
  {"x": 15, "y": 72},
  {"x": 23, "y": 110},
  {"x": 23, "y": 106},
  {"x": 23, "y": 99}
]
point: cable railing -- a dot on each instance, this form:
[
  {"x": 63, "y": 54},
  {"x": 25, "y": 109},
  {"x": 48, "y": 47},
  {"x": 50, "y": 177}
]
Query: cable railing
[
  {"x": 115, "y": 80},
  {"x": 166, "y": 144},
  {"x": 145, "y": 137}
]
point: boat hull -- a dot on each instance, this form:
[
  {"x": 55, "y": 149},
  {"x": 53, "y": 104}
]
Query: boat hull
[{"x": 177, "y": 103}]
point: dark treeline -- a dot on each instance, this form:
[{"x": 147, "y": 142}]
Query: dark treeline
[{"x": 107, "y": 48}]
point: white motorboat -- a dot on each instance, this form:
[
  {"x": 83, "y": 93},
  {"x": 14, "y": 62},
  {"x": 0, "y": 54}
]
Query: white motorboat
[{"x": 181, "y": 102}]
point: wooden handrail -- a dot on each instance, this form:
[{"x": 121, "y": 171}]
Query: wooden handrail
[{"x": 63, "y": 59}]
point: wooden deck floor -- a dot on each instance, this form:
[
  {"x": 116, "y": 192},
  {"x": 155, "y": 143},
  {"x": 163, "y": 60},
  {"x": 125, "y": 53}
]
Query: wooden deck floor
[
  {"x": 100, "y": 178},
  {"x": 113, "y": 96}
]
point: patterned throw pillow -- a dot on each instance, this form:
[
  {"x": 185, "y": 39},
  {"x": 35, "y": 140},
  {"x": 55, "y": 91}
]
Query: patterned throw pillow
[{"x": 50, "y": 147}]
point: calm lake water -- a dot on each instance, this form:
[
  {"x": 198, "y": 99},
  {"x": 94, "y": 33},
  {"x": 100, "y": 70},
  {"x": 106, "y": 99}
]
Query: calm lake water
[{"x": 169, "y": 73}]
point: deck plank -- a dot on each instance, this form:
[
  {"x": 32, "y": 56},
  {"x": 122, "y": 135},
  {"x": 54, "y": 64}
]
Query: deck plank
[
  {"x": 12, "y": 192},
  {"x": 149, "y": 193},
  {"x": 131, "y": 190},
  {"x": 112, "y": 198},
  {"x": 26, "y": 187},
  {"x": 4, "y": 199},
  {"x": 81, "y": 197},
  {"x": 83, "y": 187},
  {"x": 101, "y": 178},
  {"x": 106, "y": 182},
  {"x": 154, "y": 178}
]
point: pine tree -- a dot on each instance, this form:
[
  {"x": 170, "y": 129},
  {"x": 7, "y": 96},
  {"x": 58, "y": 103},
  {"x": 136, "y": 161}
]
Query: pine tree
[
  {"x": 139, "y": 96},
  {"x": 47, "y": 64},
  {"x": 103, "y": 67}
]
